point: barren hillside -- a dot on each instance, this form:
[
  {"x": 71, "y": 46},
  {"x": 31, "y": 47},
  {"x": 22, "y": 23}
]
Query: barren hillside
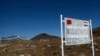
[{"x": 47, "y": 45}]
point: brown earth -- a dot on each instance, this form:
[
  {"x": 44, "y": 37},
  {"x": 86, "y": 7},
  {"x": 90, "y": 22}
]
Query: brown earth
[{"x": 47, "y": 45}]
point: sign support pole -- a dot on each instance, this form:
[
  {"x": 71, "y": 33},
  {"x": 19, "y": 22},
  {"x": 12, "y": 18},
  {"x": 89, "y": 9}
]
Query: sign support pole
[
  {"x": 62, "y": 45},
  {"x": 93, "y": 52}
]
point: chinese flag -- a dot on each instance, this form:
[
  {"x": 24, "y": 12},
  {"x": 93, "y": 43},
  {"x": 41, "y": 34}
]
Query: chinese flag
[{"x": 69, "y": 22}]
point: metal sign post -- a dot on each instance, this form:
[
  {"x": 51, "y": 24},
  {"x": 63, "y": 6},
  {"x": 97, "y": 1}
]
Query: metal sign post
[
  {"x": 93, "y": 52},
  {"x": 76, "y": 32},
  {"x": 62, "y": 45}
]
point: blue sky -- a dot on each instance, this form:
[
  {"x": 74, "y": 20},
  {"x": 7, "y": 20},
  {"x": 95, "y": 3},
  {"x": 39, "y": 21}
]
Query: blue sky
[{"x": 31, "y": 17}]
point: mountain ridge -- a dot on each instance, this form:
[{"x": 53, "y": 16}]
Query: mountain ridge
[{"x": 44, "y": 36}]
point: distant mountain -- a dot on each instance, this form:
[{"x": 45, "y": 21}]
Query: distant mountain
[
  {"x": 96, "y": 32},
  {"x": 10, "y": 38},
  {"x": 44, "y": 36}
]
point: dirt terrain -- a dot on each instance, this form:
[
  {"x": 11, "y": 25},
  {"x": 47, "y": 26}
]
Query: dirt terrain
[{"x": 47, "y": 45}]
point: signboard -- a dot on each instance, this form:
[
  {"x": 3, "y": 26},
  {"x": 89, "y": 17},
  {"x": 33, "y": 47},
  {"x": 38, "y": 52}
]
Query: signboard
[{"x": 77, "y": 31}]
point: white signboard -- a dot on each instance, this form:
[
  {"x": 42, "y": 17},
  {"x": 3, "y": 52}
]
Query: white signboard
[{"x": 77, "y": 31}]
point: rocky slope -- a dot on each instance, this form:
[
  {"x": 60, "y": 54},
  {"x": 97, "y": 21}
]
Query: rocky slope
[{"x": 47, "y": 45}]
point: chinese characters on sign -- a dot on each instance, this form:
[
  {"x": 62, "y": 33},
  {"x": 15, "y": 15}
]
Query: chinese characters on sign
[{"x": 76, "y": 31}]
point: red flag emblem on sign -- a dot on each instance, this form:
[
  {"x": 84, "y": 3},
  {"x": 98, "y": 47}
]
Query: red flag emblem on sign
[{"x": 69, "y": 22}]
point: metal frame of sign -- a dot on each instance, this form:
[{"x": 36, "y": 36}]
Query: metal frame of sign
[{"x": 63, "y": 25}]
